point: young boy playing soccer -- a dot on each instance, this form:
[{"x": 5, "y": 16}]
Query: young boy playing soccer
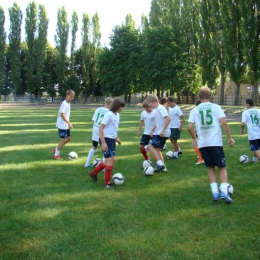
[
  {"x": 251, "y": 118},
  {"x": 96, "y": 121},
  {"x": 175, "y": 114},
  {"x": 160, "y": 132},
  {"x": 207, "y": 116},
  {"x": 108, "y": 138},
  {"x": 148, "y": 119},
  {"x": 63, "y": 123}
]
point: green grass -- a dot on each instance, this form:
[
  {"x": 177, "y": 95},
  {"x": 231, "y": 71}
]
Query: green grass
[{"x": 52, "y": 210}]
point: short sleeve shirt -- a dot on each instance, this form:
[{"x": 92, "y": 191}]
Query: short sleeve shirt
[
  {"x": 97, "y": 119},
  {"x": 206, "y": 118},
  {"x": 111, "y": 122},
  {"x": 160, "y": 114},
  {"x": 149, "y": 121},
  {"x": 175, "y": 113},
  {"x": 64, "y": 109},
  {"x": 251, "y": 117}
]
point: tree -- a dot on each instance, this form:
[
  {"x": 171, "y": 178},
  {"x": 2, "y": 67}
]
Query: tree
[
  {"x": 233, "y": 44},
  {"x": 61, "y": 40},
  {"x": 250, "y": 10},
  {"x": 14, "y": 50},
  {"x": 2, "y": 49}
]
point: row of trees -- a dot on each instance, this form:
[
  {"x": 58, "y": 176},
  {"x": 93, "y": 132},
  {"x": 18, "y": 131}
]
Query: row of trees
[{"x": 182, "y": 45}]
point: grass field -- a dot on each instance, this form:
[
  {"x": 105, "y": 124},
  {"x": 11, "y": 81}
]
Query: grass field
[{"x": 52, "y": 209}]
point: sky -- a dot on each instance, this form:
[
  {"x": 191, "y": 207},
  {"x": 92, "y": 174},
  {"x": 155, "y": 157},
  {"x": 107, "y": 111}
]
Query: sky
[{"x": 111, "y": 13}]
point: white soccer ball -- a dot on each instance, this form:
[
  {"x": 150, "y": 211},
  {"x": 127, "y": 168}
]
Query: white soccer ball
[
  {"x": 244, "y": 159},
  {"x": 230, "y": 189},
  {"x": 72, "y": 155},
  {"x": 146, "y": 163},
  {"x": 169, "y": 154},
  {"x": 164, "y": 148},
  {"x": 96, "y": 162},
  {"x": 148, "y": 171},
  {"x": 118, "y": 179}
]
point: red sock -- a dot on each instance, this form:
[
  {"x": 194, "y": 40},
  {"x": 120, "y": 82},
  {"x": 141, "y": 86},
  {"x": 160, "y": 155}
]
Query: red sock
[
  {"x": 108, "y": 173},
  {"x": 98, "y": 168},
  {"x": 143, "y": 151}
]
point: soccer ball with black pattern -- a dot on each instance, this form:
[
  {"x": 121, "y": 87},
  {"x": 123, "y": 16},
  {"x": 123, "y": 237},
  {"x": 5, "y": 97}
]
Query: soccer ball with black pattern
[
  {"x": 72, "y": 155},
  {"x": 146, "y": 163},
  {"x": 148, "y": 171},
  {"x": 96, "y": 162},
  {"x": 118, "y": 179},
  {"x": 244, "y": 159}
]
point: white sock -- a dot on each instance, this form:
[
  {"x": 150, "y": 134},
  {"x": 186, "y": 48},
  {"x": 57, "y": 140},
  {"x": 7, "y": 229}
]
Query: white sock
[
  {"x": 214, "y": 187},
  {"x": 223, "y": 187},
  {"x": 90, "y": 155},
  {"x": 175, "y": 154},
  {"x": 179, "y": 149},
  {"x": 255, "y": 159},
  {"x": 159, "y": 162},
  {"x": 57, "y": 152}
]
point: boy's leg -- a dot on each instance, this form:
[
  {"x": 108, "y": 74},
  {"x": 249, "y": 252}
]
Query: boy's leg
[
  {"x": 108, "y": 171},
  {"x": 224, "y": 185},
  {"x": 213, "y": 183}
]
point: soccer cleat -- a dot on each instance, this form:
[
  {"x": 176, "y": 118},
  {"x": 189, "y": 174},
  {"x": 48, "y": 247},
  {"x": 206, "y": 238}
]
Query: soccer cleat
[
  {"x": 88, "y": 166},
  {"x": 93, "y": 176},
  {"x": 180, "y": 152},
  {"x": 215, "y": 197},
  {"x": 174, "y": 158},
  {"x": 225, "y": 196},
  {"x": 109, "y": 186},
  {"x": 57, "y": 157},
  {"x": 158, "y": 168},
  {"x": 253, "y": 161},
  {"x": 200, "y": 162},
  {"x": 164, "y": 170}
]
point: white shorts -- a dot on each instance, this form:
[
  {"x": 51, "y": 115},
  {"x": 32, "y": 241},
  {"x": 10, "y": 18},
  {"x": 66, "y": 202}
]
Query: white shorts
[{"x": 95, "y": 134}]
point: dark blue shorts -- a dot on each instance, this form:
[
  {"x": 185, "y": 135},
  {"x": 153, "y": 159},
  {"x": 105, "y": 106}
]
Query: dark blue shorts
[
  {"x": 111, "y": 147},
  {"x": 158, "y": 141},
  {"x": 175, "y": 134},
  {"x": 64, "y": 133},
  {"x": 145, "y": 139},
  {"x": 254, "y": 144},
  {"x": 213, "y": 156}
]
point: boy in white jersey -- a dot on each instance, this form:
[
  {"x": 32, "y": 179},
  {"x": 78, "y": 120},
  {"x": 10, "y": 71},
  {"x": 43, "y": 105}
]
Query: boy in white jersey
[
  {"x": 96, "y": 121},
  {"x": 63, "y": 123},
  {"x": 148, "y": 119},
  {"x": 175, "y": 114},
  {"x": 207, "y": 117},
  {"x": 251, "y": 118},
  {"x": 108, "y": 138},
  {"x": 160, "y": 132}
]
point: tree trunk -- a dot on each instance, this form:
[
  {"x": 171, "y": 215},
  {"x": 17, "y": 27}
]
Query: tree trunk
[
  {"x": 237, "y": 93},
  {"x": 222, "y": 88}
]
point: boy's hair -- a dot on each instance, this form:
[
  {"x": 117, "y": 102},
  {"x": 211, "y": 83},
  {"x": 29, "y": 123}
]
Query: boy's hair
[
  {"x": 108, "y": 100},
  {"x": 163, "y": 100},
  {"x": 198, "y": 102},
  {"x": 145, "y": 103},
  {"x": 171, "y": 99},
  {"x": 152, "y": 98},
  {"x": 204, "y": 93},
  {"x": 116, "y": 104},
  {"x": 250, "y": 102},
  {"x": 69, "y": 92}
]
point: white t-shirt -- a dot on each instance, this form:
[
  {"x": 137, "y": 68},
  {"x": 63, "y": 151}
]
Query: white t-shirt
[
  {"x": 206, "y": 117},
  {"x": 64, "y": 108},
  {"x": 175, "y": 113},
  {"x": 160, "y": 114},
  {"x": 111, "y": 120},
  {"x": 97, "y": 118},
  {"x": 252, "y": 119},
  {"x": 149, "y": 121}
]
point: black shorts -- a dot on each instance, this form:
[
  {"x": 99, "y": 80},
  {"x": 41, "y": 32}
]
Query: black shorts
[
  {"x": 254, "y": 144},
  {"x": 213, "y": 156},
  {"x": 145, "y": 139},
  {"x": 175, "y": 133},
  {"x": 64, "y": 133},
  {"x": 95, "y": 143},
  {"x": 111, "y": 147},
  {"x": 158, "y": 141}
]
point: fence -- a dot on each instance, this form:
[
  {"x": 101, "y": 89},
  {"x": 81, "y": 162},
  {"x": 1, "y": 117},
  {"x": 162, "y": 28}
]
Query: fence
[{"x": 135, "y": 99}]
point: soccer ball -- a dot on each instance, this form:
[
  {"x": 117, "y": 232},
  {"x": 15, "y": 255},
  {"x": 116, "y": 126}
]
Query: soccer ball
[
  {"x": 73, "y": 155},
  {"x": 146, "y": 163},
  {"x": 118, "y": 179},
  {"x": 164, "y": 148},
  {"x": 148, "y": 171},
  {"x": 96, "y": 162},
  {"x": 169, "y": 154},
  {"x": 244, "y": 159},
  {"x": 230, "y": 189}
]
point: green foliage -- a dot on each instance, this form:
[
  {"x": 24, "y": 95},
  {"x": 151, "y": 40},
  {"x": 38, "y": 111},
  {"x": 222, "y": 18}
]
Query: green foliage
[
  {"x": 2, "y": 48},
  {"x": 52, "y": 210}
]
